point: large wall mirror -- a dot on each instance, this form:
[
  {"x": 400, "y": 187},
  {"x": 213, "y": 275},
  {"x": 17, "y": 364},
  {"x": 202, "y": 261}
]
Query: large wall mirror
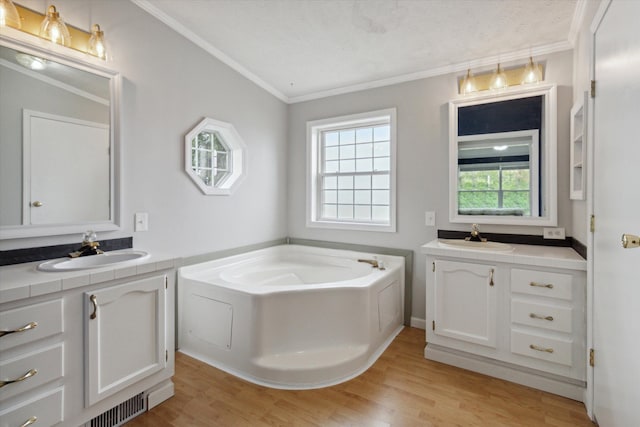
[
  {"x": 58, "y": 144},
  {"x": 502, "y": 158}
]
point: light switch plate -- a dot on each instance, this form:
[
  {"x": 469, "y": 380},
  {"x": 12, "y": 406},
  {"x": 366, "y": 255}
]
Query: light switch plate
[
  {"x": 430, "y": 218},
  {"x": 141, "y": 222}
]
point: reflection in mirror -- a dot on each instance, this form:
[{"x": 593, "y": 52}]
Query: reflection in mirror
[
  {"x": 56, "y": 144},
  {"x": 503, "y": 158}
]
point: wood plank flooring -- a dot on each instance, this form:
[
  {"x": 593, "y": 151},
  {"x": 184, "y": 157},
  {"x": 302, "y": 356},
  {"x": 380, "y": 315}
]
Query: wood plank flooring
[{"x": 400, "y": 389}]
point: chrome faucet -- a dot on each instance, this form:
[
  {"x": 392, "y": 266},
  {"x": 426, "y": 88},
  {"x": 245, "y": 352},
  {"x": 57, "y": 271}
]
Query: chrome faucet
[
  {"x": 374, "y": 263},
  {"x": 475, "y": 235},
  {"x": 89, "y": 245}
]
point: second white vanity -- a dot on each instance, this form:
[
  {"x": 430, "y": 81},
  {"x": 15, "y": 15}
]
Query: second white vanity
[{"x": 515, "y": 312}]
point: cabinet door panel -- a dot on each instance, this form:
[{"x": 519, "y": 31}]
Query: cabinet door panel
[
  {"x": 126, "y": 341},
  {"x": 465, "y": 302}
]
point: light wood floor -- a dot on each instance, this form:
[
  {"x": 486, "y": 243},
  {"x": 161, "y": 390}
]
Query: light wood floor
[{"x": 400, "y": 389}]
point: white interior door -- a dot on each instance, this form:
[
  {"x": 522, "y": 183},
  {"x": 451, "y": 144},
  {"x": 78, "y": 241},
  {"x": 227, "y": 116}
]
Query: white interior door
[
  {"x": 66, "y": 170},
  {"x": 616, "y": 321}
]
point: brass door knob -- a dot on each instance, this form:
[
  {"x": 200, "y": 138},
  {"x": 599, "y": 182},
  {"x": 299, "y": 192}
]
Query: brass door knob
[{"x": 37, "y": 204}]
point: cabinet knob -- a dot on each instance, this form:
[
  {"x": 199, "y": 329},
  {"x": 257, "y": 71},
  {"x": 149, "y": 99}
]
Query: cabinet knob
[{"x": 37, "y": 204}]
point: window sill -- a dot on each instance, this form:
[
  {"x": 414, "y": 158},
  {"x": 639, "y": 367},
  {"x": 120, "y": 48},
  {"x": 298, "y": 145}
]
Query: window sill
[{"x": 352, "y": 226}]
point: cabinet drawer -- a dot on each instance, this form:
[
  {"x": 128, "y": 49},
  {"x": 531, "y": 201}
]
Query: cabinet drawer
[
  {"x": 540, "y": 347},
  {"x": 46, "y": 409},
  {"x": 541, "y": 316},
  {"x": 542, "y": 283},
  {"x": 47, "y": 362},
  {"x": 46, "y": 316}
]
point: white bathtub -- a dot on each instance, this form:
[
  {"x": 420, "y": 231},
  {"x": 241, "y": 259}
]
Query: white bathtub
[{"x": 291, "y": 317}]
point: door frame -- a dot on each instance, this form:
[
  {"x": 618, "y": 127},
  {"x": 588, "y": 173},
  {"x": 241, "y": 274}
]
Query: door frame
[{"x": 595, "y": 24}]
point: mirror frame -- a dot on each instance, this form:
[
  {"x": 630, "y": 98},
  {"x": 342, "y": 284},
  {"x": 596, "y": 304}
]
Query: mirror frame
[
  {"x": 548, "y": 156},
  {"x": 17, "y": 40}
]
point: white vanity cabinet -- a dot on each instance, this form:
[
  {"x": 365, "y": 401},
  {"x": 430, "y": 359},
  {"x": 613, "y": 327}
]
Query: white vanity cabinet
[
  {"x": 518, "y": 316},
  {"x": 125, "y": 335},
  {"x": 80, "y": 368},
  {"x": 464, "y": 302}
]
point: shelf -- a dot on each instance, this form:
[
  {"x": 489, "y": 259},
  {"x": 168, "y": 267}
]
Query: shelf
[{"x": 578, "y": 151}]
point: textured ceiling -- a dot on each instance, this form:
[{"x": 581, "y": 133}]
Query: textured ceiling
[{"x": 299, "y": 49}]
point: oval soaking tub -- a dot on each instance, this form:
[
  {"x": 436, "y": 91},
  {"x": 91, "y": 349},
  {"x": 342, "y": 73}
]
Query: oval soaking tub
[{"x": 291, "y": 317}]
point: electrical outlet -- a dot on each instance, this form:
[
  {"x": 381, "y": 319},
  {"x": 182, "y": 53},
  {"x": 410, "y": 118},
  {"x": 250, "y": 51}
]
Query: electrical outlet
[
  {"x": 430, "y": 218},
  {"x": 554, "y": 233},
  {"x": 141, "y": 221}
]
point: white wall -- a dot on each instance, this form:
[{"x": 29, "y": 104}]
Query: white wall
[
  {"x": 169, "y": 86},
  {"x": 422, "y": 118}
]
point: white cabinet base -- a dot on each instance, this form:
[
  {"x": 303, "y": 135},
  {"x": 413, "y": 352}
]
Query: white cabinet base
[{"x": 563, "y": 386}]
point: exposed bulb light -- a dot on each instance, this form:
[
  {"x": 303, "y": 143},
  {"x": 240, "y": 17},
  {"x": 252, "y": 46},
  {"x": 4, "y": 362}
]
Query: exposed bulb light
[
  {"x": 498, "y": 79},
  {"x": 468, "y": 84},
  {"x": 9, "y": 16},
  {"x": 531, "y": 73},
  {"x": 31, "y": 62},
  {"x": 53, "y": 28},
  {"x": 96, "y": 42}
]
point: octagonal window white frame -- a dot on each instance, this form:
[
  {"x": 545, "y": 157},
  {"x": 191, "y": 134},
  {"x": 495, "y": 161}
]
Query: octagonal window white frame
[{"x": 237, "y": 152}]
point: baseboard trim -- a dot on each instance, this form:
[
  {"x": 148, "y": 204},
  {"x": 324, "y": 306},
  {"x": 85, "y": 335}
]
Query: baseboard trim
[
  {"x": 542, "y": 381},
  {"x": 416, "y": 322},
  {"x": 160, "y": 394}
]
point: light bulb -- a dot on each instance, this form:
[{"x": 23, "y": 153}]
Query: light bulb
[
  {"x": 468, "y": 83},
  {"x": 54, "y": 29},
  {"x": 498, "y": 79},
  {"x": 9, "y": 16},
  {"x": 531, "y": 73},
  {"x": 96, "y": 42}
]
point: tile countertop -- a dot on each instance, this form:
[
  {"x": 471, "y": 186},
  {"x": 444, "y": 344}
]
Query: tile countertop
[
  {"x": 21, "y": 281},
  {"x": 530, "y": 255}
]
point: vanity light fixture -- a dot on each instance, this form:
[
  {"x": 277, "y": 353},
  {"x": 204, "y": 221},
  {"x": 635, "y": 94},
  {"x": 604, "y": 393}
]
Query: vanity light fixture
[
  {"x": 9, "y": 16},
  {"x": 468, "y": 84},
  {"x": 53, "y": 28},
  {"x": 50, "y": 26},
  {"x": 498, "y": 79},
  {"x": 96, "y": 42},
  {"x": 532, "y": 73}
]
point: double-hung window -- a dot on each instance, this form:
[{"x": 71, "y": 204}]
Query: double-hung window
[{"x": 351, "y": 172}]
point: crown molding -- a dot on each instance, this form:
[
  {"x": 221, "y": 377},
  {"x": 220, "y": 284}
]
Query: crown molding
[
  {"x": 478, "y": 65},
  {"x": 576, "y": 22},
  {"x": 148, "y": 7}
]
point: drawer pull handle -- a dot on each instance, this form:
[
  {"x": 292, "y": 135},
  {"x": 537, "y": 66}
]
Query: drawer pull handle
[
  {"x": 26, "y": 327},
  {"x": 491, "y": 277},
  {"x": 94, "y": 302},
  {"x": 17, "y": 380},
  {"x": 30, "y": 421},
  {"x": 537, "y": 348},
  {"x": 537, "y": 316},
  {"x": 541, "y": 285}
]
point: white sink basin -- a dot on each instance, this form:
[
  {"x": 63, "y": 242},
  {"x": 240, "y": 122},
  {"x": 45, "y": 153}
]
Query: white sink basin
[
  {"x": 92, "y": 261},
  {"x": 482, "y": 246}
]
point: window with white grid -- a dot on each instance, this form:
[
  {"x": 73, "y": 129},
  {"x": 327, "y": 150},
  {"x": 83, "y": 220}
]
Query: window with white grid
[{"x": 352, "y": 172}]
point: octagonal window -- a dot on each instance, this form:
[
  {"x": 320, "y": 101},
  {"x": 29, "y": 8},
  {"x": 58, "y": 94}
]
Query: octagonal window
[{"x": 214, "y": 154}]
